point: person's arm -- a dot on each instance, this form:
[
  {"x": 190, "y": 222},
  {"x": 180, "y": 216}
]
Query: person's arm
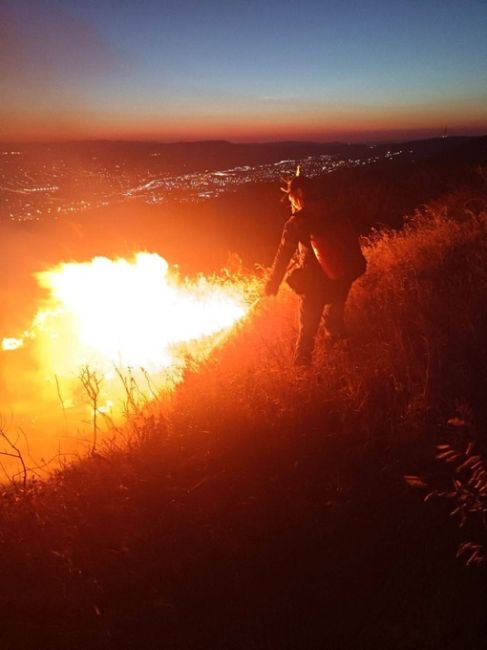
[{"x": 287, "y": 248}]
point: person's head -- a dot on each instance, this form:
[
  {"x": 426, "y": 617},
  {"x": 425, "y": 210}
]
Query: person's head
[{"x": 298, "y": 191}]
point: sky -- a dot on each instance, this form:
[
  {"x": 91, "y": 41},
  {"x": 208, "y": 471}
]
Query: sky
[{"x": 250, "y": 70}]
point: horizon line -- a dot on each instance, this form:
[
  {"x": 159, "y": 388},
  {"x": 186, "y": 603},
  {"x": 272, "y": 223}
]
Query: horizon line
[{"x": 237, "y": 142}]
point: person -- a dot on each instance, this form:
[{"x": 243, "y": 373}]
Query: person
[{"x": 330, "y": 260}]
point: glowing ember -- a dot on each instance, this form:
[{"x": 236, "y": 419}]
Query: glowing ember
[
  {"x": 12, "y": 344},
  {"x": 129, "y": 313}
]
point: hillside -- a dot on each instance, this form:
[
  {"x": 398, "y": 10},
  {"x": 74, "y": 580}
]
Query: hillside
[
  {"x": 181, "y": 157},
  {"x": 265, "y": 508}
]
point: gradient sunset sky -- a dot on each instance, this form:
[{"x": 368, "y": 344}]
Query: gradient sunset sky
[{"x": 242, "y": 70}]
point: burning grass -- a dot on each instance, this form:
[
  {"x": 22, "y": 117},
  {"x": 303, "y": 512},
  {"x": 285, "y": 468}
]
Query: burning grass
[
  {"x": 260, "y": 507},
  {"x": 129, "y": 313},
  {"x": 115, "y": 333}
]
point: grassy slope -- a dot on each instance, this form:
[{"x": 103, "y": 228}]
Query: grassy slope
[{"x": 264, "y": 508}]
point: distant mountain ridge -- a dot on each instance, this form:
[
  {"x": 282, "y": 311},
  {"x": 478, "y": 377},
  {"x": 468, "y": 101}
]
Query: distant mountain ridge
[{"x": 211, "y": 155}]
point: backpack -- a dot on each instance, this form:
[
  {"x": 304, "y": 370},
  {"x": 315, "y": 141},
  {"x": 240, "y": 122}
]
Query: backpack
[{"x": 338, "y": 252}]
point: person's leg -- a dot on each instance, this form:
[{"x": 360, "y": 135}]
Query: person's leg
[
  {"x": 335, "y": 312},
  {"x": 310, "y": 311}
]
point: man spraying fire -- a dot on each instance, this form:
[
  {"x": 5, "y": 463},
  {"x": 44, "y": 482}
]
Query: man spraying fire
[{"x": 330, "y": 260}]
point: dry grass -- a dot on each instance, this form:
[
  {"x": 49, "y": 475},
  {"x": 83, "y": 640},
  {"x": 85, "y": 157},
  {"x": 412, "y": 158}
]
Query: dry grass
[{"x": 261, "y": 507}]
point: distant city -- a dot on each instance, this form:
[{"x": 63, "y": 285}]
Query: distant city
[{"x": 54, "y": 185}]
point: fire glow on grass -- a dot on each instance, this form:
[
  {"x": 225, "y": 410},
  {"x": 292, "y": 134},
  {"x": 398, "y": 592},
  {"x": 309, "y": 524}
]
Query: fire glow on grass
[
  {"x": 131, "y": 313},
  {"x": 111, "y": 335},
  {"x": 116, "y": 314}
]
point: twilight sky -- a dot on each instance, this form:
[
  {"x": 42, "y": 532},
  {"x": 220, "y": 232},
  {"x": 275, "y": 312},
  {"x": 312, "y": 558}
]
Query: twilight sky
[{"x": 242, "y": 70}]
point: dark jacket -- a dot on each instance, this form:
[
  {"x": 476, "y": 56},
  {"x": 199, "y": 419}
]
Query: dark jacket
[{"x": 311, "y": 231}]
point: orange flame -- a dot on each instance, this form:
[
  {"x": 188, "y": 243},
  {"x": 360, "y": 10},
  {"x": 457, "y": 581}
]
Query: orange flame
[
  {"x": 129, "y": 313},
  {"x": 113, "y": 322}
]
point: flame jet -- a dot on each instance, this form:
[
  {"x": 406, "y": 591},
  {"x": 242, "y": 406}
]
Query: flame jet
[
  {"x": 113, "y": 322},
  {"x": 131, "y": 313}
]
